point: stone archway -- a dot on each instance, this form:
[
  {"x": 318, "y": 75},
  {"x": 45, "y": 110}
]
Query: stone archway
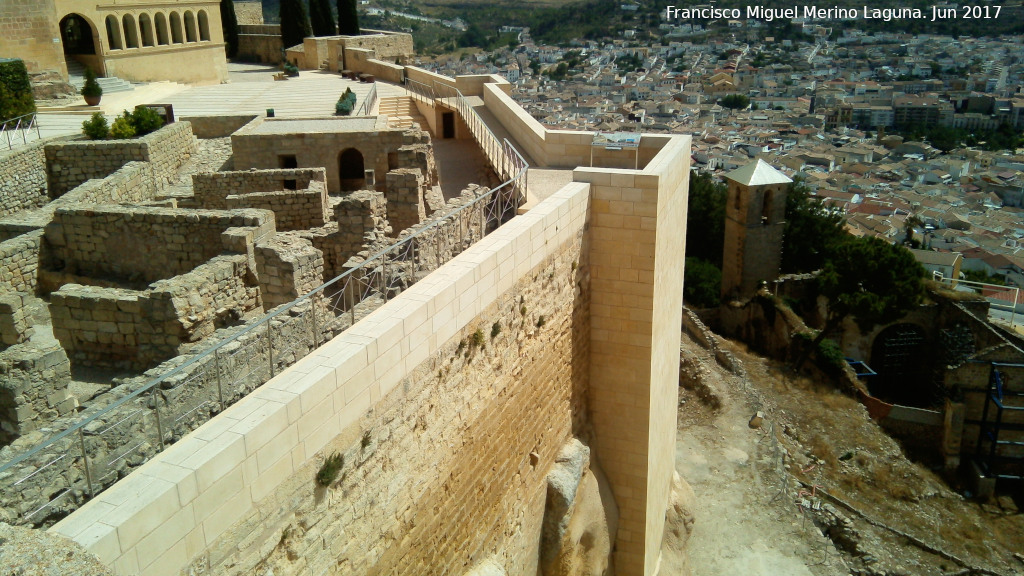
[
  {"x": 78, "y": 36},
  {"x": 899, "y": 355},
  {"x": 351, "y": 173}
]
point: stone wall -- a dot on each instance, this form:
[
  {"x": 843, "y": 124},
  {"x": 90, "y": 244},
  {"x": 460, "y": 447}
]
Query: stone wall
[
  {"x": 362, "y": 219},
  {"x": 130, "y": 184},
  {"x": 29, "y": 27},
  {"x": 129, "y": 329},
  {"x": 15, "y": 321},
  {"x": 205, "y": 127},
  {"x": 69, "y": 164},
  {"x": 260, "y": 144},
  {"x": 288, "y": 267},
  {"x": 249, "y": 13},
  {"x": 33, "y": 388},
  {"x": 298, "y": 197},
  {"x": 137, "y": 246},
  {"x": 405, "y": 188},
  {"x": 260, "y": 43},
  {"x": 446, "y": 430},
  {"x": 22, "y": 179},
  {"x": 19, "y": 261}
]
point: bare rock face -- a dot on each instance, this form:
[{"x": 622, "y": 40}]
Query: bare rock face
[
  {"x": 678, "y": 526},
  {"x": 579, "y": 519},
  {"x": 28, "y": 552}
]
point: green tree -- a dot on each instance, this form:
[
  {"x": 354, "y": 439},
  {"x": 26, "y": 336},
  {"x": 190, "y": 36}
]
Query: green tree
[
  {"x": 705, "y": 219},
  {"x": 870, "y": 280},
  {"x": 321, "y": 18},
  {"x": 812, "y": 231},
  {"x": 294, "y": 23},
  {"x": 348, "y": 18},
  {"x": 702, "y": 287},
  {"x": 735, "y": 101},
  {"x": 229, "y": 23},
  {"x": 15, "y": 90}
]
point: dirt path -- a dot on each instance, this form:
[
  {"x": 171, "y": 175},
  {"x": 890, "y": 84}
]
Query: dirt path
[
  {"x": 756, "y": 513},
  {"x": 745, "y": 522}
]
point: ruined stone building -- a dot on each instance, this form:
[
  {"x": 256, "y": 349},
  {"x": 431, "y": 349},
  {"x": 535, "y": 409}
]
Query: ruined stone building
[{"x": 320, "y": 358}]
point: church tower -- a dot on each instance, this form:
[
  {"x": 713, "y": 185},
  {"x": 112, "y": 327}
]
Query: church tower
[{"x": 755, "y": 218}]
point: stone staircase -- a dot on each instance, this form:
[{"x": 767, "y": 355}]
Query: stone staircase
[
  {"x": 401, "y": 112},
  {"x": 76, "y": 77}
]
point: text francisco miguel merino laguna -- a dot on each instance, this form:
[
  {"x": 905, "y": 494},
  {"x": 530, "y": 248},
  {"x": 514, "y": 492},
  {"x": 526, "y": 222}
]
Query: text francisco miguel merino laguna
[{"x": 707, "y": 12}]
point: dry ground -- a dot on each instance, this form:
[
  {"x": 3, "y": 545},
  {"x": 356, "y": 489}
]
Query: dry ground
[{"x": 819, "y": 488}]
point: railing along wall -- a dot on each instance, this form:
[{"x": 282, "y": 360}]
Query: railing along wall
[
  {"x": 366, "y": 108},
  {"x": 79, "y": 459},
  {"x": 19, "y": 127},
  {"x": 503, "y": 157}
]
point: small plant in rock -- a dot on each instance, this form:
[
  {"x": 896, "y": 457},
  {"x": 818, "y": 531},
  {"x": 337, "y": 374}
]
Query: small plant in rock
[
  {"x": 522, "y": 310},
  {"x": 96, "y": 127},
  {"x": 365, "y": 442},
  {"x": 495, "y": 330},
  {"x": 478, "y": 339},
  {"x": 541, "y": 321},
  {"x": 123, "y": 127},
  {"x": 331, "y": 468}
]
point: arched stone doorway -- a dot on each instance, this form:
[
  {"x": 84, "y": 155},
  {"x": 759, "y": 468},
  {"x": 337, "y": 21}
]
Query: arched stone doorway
[
  {"x": 77, "y": 36},
  {"x": 899, "y": 355},
  {"x": 350, "y": 169}
]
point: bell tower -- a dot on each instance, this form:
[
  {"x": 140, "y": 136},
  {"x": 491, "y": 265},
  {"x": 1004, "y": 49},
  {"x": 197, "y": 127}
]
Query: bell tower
[{"x": 755, "y": 219}]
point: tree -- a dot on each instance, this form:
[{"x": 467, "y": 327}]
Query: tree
[
  {"x": 321, "y": 18},
  {"x": 812, "y": 233},
  {"x": 705, "y": 219},
  {"x": 348, "y": 18},
  {"x": 294, "y": 23},
  {"x": 702, "y": 286},
  {"x": 871, "y": 280},
  {"x": 229, "y": 23},
  {"x": 735, "y": 101}
]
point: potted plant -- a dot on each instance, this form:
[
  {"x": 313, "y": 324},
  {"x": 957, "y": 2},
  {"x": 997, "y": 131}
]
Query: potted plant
[{"x": 91, "y": 90}]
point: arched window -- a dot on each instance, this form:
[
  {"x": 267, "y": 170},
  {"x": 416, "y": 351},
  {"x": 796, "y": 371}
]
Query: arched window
[
  {"x": 176, "y": 36},
  {"x": 190, "y": 27},
  {"x": 146, "y": 25},
  {"x": 131, "y": 33},
  {"x": 161, "y": 29},
  {"x": 204, "y": 26},
  {"x": 114, "y": 33},
  {"x": 766, "y": 207}
]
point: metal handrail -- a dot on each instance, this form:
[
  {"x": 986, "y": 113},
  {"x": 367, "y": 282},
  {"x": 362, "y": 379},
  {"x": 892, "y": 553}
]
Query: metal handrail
[
  {"x": 367, "y": 106},
  {"x": 370, "y": 264},
  {"x": 31, "y": 123}
]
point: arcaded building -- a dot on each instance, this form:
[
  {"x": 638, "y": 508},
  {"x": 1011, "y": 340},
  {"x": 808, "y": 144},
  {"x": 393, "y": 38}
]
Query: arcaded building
[{"x": 137, "y": 40}]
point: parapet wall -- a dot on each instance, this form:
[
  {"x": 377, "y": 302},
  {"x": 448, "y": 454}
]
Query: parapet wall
[
  {"x": 448, "y": 407},
  {"x": 69, "y": 164},
  {"x": 22, "y": 179}
]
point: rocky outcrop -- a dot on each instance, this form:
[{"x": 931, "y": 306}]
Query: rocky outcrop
[{"x": 28, "y": 552}]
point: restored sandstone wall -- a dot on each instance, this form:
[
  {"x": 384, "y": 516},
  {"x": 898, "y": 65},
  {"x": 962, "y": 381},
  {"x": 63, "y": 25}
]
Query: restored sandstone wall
[
  {"x": 470, "y": 383},
  {"x": 22, "y": 179},
  {"x": 249, "y": 13},
  {"x": 298, "y": 197},
  {"x": 29, "y": 27}
]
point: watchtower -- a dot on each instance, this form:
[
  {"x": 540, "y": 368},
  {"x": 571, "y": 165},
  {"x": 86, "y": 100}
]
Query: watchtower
[{"x": 755, "y": 218}]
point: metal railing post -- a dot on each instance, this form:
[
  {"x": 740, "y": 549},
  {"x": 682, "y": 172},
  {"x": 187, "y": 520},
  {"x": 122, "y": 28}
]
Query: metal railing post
[
  {"x": 270, "y": 348},
  {"x": 384, "y": 275},
  {"x": 351, "y": 295},
  {"x": 85, "y": 462},
  {"x": 159, "y": 423},
  {"x": 220, "y": 386},
  {"x": 312, "y": 311}
]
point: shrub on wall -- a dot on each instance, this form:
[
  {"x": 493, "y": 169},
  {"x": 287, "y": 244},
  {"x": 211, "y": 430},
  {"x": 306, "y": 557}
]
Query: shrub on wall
[
  {"x": 15, "y": 90},
  {"x": 123, "y": 127},
  {"x": 96, "y": 127},
  {"x": 145, "y": 120}
]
